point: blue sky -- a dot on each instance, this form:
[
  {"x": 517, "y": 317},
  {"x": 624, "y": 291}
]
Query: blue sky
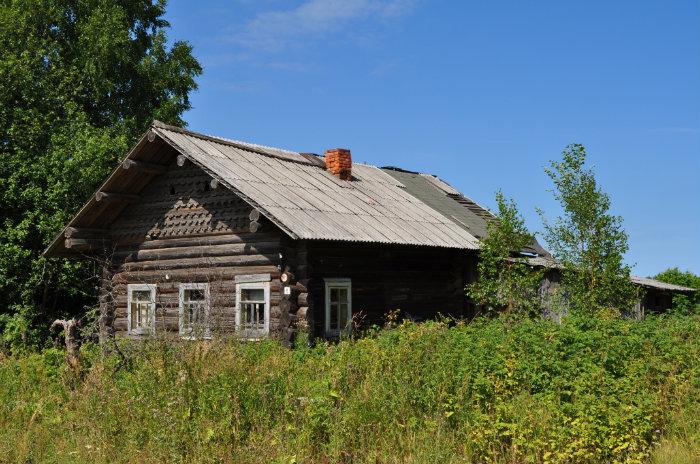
[{"x": 481, "y": 94}]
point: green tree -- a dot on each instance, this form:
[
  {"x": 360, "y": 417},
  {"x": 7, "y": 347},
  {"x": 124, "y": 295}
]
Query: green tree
[
  {"x": 79, "y": 81},
  {"x": 682, "y": 303},
  {"x": 505, "y": 280},
  {"x": 588, "y": 240}
]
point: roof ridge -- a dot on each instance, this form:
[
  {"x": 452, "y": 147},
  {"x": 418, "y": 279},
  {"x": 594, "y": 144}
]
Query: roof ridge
[
  {"x": 254, "y": 147},
  {"x": 258, "y": 148}
]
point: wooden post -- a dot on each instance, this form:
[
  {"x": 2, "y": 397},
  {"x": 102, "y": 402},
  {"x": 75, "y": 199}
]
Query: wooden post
[
  {"x": 74, "y": 232},
  {"x": 86, "y": 244},
  {"x": 303, "y": 299},
  {"x": 142, "y": 166},
  {"x": 288, "y": 278},
  {"x": 115, "y": 196},
  {"x": 107, "y": 308},
  {"x": 72, "y": 338}
]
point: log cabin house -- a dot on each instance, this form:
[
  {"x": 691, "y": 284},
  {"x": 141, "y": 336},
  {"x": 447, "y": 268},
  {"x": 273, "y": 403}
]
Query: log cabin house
[{"x": 201, "y": 235}]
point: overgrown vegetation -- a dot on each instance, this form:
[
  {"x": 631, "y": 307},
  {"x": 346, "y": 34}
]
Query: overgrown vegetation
[
  {"x": 588, "y": 240},
  {"x": 682, "y": 303},
  {"x": 79, "y": 82},
  {"x": 506, "y": 281},
  {"x": 501, "y": 391}
]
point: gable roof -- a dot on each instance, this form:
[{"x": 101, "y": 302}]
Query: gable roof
[
  {"x": 306, "y": 201},
  {"x": 296, "y": 193}
]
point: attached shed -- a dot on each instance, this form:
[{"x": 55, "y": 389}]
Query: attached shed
[
  {"x": 657, "y": 296},
  {"x": 201, "y": 235}
]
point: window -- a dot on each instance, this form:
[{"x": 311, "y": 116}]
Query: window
[
  {"x": 338, "y": 307},
  {"x": 141, "y": 317},
  {"x": 253, "y": 309},
  {"x": 194, "y": 310}
]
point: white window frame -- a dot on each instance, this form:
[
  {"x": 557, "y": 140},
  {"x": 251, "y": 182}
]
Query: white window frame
[
  {"x": 253, "y": 334},
  {"x": 150, "y": 329},
  {"x": 337, "y": 283},
  {"x": 184, "y": 332}
]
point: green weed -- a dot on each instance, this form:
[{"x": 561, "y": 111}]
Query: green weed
[{"x": 493, "y": 391}]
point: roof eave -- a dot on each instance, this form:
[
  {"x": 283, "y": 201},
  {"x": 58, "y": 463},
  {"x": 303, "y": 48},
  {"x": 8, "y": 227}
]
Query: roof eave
[{"x": 53, "y": 250}]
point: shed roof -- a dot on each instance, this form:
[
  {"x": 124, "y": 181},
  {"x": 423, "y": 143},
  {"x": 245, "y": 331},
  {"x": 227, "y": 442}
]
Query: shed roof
[
  {"x": 646, "y": 282},
  {"x": 657, "y": 284}
]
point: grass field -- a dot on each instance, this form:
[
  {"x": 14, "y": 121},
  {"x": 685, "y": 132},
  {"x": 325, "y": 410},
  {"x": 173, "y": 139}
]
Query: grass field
[{"x": 495, "y": 391}]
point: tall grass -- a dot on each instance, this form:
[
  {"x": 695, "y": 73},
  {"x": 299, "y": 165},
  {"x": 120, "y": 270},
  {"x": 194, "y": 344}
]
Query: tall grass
[{"x": 488, "y": 391}]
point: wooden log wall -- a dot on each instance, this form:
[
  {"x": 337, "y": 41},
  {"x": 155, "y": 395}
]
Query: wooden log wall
[
  {"x": 293, "y": 280},
  {"x": 421, "y": 282},
  {"x": 183, "y": 231}
]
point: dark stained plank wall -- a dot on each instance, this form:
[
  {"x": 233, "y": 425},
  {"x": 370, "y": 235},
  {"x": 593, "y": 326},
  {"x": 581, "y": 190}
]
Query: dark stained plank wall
[{"x": 421, "y": 282}]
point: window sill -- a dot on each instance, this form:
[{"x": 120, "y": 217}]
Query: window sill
[
  {"x": 140, "y": 333},
  {"x": 194, "y": 338},
  {"x": 252, "y": 336}
]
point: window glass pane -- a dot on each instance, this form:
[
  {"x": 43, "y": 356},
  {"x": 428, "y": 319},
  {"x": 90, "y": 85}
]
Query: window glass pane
[
  {"x": 141, "y": 295},
  {"x": 252, "y": 310},
  {"x": 141, "y": 304},
  {"x": 194, "y": 312},
  {"x": 139, "y": 314},
  {"x": 143, "y": 314},
  {"x": 194, "y": 295},
  {"x": 338, "y": 310},
  {"x": 343, "y": 317},
  {"x": 187, "y": 317},
  {"x": 198, "y": 314},
  {"x": 253, "y": 316},
  {"x": 247, "y": 314},
  {"x": 334, "y": 294},
  {"x": 334, "y": 316},
  {"x": 253, "y": 294}
]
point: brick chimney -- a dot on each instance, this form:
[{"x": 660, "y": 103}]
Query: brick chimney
[{"x": 339, "y": 163}]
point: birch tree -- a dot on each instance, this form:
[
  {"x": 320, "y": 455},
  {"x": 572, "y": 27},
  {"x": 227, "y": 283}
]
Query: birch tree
[{"x": 587, "y": 239}]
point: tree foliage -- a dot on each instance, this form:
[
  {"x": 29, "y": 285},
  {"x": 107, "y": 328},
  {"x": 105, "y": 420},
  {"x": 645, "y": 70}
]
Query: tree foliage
[
  {"x": 587, "y": 239},
  {"x": 79, "y": 81},
  {"x": 505, "y": 280},
  {"x": 682, "y": 303}
]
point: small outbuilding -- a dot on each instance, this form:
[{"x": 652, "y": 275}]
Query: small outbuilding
[{"x": 657, "y": 296}]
